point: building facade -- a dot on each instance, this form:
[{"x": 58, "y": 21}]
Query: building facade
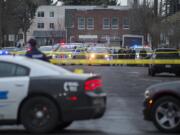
[
  {"x": 52, "y": 24},
  {"x": 101, "y": 24},
  {"x": 48, "y": 25}
]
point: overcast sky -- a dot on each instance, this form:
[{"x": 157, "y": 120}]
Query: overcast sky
[{"x": 123, "y": 2}]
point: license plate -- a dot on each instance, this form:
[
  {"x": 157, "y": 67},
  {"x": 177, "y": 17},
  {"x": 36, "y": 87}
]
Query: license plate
[
  {"x": 168, "y": 66},
  {"x": 98, "y": 101}
]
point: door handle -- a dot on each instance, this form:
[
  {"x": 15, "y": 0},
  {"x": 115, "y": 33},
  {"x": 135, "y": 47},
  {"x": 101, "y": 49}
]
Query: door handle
[{"x": 19, "y": 85}]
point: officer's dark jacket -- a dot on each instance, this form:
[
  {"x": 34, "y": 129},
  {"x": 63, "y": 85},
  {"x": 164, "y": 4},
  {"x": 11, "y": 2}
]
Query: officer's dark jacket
[{"x": 36, "y": 54}]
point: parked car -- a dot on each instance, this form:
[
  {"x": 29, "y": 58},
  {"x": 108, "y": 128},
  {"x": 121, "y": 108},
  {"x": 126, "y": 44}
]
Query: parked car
[
  {"x": 162, "y": 106},
  {"x": 11, "y": 49},
  {"x": 161, "y": 54},
  {"x": 142, "y": 52},
  {"x": 42, "y": 96},
  {"x": 45, "y": 49},
  {"x": 62, "y": 53},
  {"x": 4, "y": 52},
  {"x": 98, "y": 53},
  {"x": 80, "y": 53}
]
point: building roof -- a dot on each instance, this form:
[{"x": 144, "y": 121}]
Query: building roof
[{"x": 82, "y": 7}]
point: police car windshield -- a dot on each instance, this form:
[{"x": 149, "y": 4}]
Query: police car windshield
[
  {"x": 167, "y": 54},
  {"x": 51, "y": 66},
  {"x": 64, "y": 49},
  {"x": 45, "y": 48},
  {"x": 10, "y": 49},
  {"x": 98, "y": 50},
  {"x": 140, "y": 49}
]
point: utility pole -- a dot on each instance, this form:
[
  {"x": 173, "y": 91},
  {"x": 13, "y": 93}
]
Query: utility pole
[{"x": 1, "y": 35}]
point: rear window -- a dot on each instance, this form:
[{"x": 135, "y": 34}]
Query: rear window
[
  {"x": 98, "y": 50},
  {"x": 45, "y": 48},
  {"x": 61, "y": 49},
  {"x": 167, "y": 54}
]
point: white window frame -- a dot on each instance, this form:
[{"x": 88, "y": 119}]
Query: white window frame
[
  {"x": 51, "y": 24},
  {"x": 51, "y": 14},
  {"x": 40, "y": 25},
  {"x": 125, "y": 26},
  {"x": 81, "y": 26},
  {"x": 90, "y": 26},
  {"x": 106, "y": 27},
  {"x": 116, "y": 26},
  {"x": 40, "y": 14}
]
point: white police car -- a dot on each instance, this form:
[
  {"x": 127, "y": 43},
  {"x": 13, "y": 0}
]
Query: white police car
[{"x": 42, "y": 96}]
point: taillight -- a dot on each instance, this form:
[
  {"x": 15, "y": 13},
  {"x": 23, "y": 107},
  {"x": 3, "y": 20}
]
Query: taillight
[{"x": 91, "y": 85}]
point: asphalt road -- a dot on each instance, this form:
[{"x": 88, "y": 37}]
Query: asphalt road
[{"x": 125, "y": 87}]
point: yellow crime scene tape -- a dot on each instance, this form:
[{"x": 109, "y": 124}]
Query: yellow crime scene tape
[{"x": 113, "y": 61}]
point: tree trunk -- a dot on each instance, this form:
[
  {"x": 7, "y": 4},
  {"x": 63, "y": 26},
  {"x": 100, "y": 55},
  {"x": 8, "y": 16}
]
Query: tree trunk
[
  {"x": 1, "y": 35},
  {"x": 156, "y": 7},
  {"x": 25, "y": 37}
]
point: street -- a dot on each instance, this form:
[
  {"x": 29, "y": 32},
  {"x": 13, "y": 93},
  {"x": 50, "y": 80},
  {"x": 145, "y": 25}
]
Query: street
[{"x": 125, "y": 88}]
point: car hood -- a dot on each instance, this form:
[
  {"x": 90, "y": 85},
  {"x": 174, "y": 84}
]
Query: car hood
[{"x": 172, "y": 87}]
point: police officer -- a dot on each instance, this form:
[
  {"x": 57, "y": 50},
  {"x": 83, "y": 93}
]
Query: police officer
[
  {"x": 33, "y": 52},
  {"x": 143, "y": 53}
]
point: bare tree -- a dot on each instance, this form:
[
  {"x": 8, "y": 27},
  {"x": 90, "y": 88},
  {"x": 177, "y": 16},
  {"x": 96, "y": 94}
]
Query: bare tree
[
  {"x": 1, "y": 37},
  {"x": 144, "y": 21}
]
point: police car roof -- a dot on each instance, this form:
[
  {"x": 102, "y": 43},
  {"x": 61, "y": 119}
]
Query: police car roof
[
  {"x": 38, "y": 67},
  {"x": 41, "y": 68},
  {"x": 12, "y": 58}
]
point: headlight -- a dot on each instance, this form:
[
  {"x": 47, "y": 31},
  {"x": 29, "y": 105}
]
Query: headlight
[
  {"x": 53, "y": 56},
  {"x": 137, "y": 55},
  {"x": 106, "y": 56},
  {"x": 92, "y": 56},
  {"x": 69, "y": 56},
  {"x": 147, "y": 94}
]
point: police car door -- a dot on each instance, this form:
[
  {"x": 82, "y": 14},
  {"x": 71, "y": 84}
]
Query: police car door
[{"x": 14, "y": 82}]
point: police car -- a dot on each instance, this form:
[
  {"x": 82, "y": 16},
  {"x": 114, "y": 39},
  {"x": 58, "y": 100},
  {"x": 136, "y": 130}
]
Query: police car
[{"x": 42, "y": 96}]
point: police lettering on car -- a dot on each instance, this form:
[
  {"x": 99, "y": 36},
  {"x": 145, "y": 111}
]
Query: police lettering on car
[{"x": 42, "y": 96}]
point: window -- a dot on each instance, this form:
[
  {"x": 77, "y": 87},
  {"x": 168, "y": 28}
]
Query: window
[
  {"x": 40, "y": 14},
  {"x": 81, "y": 23},
  {"x": 51, "y": 14},
  {"x": 90, "y": 23},
  {"x": 51, "y": 25},
  {"x": 115, "y": 23},
  {"x": 22, "y": 71},
  {"x": 40, "y": 25},
  {"x": 11, "y": 70},
  {"x": 106, "y": 23},
  {"x": 126, "y": 23},
  {"x": 20, "y": 36}
]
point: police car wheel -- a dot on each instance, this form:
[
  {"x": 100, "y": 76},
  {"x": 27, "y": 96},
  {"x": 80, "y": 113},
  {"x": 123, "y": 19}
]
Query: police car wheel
[
  {"x": 39, "y": 115},
  {"x": 63, "y": 125},
  {"x": 165, "y": 114}
]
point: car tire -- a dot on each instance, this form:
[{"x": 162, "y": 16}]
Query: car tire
[
  {"x": 151, "y": 72},
  {"x": 63, "y": 125},
  {"x": 165, "y": 114},
  {"x": 39, "y": 115},
  {"x": 177, "y": 74}
]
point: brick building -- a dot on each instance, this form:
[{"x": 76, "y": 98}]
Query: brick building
[{"x": 101, "y": 24}]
